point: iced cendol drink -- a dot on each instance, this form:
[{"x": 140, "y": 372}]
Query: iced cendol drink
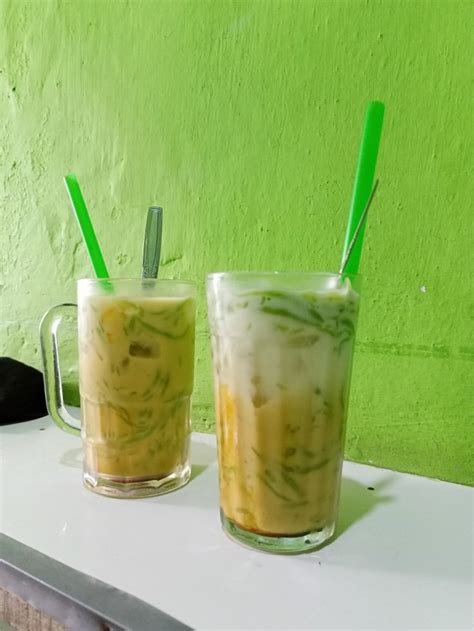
[
  {"x": 136, "y": 353},
  {"x": 282, "y": 353}
]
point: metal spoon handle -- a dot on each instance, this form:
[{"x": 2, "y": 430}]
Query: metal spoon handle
[
  {"x": 152, "y": 243},
  {"x": 359, "y": 228}
]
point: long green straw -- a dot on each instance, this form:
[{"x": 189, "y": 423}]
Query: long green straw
[
  {"x": 152, "y": 243},
  {"x": 363, "y": 183},
  {"x": 85, "y": 224}
]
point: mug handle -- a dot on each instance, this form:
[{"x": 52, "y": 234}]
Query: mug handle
[{"x": 52, "y": 373}]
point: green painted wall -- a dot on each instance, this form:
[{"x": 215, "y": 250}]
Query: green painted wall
[{"x": 243, "y": 119}]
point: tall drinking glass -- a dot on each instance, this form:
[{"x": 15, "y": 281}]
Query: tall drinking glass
[
  {"x": 136, "y": 363},
  {"x": 282, "y": 347}
]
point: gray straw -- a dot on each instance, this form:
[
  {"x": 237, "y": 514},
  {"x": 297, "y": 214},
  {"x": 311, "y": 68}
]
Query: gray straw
[
  {"x": 359, "y": 228},
  {"x": 152, "y": 244}
]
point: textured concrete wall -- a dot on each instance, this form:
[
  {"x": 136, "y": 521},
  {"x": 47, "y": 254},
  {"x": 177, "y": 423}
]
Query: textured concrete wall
[{"x": 243, "y": 119}]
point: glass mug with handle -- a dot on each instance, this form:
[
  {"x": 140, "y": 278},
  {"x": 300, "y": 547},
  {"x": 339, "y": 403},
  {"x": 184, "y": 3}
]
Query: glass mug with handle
[
  {"x": 136, "y": 367},
  {"x": 282, "y": 346}
]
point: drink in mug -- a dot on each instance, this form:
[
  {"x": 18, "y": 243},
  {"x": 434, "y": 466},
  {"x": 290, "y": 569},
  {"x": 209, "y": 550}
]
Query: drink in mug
[
  {"x": 282, "y": 354},
  {"x": 136, "y": 363}
]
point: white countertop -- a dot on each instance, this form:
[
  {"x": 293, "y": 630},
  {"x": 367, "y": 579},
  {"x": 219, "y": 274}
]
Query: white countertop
[{"x": 402, "y": 558}]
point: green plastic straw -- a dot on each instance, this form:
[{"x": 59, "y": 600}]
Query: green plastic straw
[
  {"x": 152, "y": 243},
  {"x": 85, "y": 224},
  {"x": 363, "y": 183}
]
